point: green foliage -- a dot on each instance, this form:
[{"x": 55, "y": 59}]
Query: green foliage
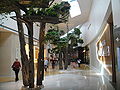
[
  {"x": 51, "y": 12},
  {"x": 60, "y": 45},
  {"x": 74, "y": 37},
  {"x": 60, "y": 10},
  {"x": 71, "y": 36},
  {"x": 53, "y": 50},
  {"x": 53, "y": 37},
  {"x": 64, "y": 6},
  {"x": 80, "y": 40},
  {"x": 31, "y": 11},
  {"x": 7, "y": 6},
  {"x": 41, "y": 12},
  {"x": 62, "y": 42},
  {"x": 77, "y": 31},
  {"x": 61, "y": 32}
]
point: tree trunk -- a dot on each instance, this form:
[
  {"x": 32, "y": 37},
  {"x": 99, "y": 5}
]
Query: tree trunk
[
  {"x": 24, "y": 58},
  {"x": 66, "y": 51},
  {"x": 40, "y": 66},
  {"x": 42, "y": 61},
  {"x": 66, "y": 58},
  {"x": 60, "y": 61},
  {"x": 31, "y": 54},
  {"x": 69, "y": 54}
]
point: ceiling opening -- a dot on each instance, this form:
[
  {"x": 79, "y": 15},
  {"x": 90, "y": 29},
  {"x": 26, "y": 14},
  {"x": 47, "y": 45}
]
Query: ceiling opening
[{"x": 75, "y": 8}]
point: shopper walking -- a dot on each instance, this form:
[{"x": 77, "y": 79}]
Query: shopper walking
[{"x": 16, "y": 68}]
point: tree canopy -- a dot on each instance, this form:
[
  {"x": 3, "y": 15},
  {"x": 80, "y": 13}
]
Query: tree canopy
[
  {"x": 60, "y": 10},
  {"x": 7, "y": 6},
  {"x": 53, "y": 36}
]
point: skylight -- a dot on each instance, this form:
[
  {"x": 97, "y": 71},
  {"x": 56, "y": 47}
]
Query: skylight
[{"x": 75, "y": 9}]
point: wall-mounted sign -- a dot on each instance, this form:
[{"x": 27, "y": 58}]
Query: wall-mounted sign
[{"x": 104, "y": 49}]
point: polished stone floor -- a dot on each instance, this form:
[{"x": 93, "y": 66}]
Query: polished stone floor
[{"x": 71, "y": 79}]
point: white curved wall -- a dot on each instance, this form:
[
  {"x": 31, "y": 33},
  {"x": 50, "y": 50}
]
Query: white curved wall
[
  {"x": 91, "y": 30},
  {"x": 96, "y": 19}
]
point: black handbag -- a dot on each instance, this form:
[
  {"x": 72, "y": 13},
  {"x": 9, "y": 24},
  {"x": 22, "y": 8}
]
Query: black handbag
[{"x": 14, "y": 68}]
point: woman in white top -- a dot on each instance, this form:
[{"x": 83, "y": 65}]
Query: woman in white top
[{"x": 46, "y": 64}]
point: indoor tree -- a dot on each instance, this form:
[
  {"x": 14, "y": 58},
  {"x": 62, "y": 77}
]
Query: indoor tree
[
  {"x": 8, "y": 6},
  {"x": 74, "y": 39},
  {"x": 53, "y": 37}
]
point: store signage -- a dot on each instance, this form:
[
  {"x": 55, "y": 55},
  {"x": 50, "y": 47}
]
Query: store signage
[{"x": 103, "y": 50}]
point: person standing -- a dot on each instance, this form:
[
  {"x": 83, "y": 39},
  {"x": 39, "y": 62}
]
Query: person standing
[
  {"x": 52, "y": 61},
  {"x": 46, "y": 64},
  {"x": 16, "y": 68},
  {"x": 53, "y": 64},
  {"x": 79, "y": 62}
]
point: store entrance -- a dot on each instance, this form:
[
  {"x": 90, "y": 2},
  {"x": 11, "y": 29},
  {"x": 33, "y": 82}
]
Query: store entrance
[
  {"x": 110, "y": 22},
  {"x": 113, "y": 49},
  {"x": 117, "y": 55}
]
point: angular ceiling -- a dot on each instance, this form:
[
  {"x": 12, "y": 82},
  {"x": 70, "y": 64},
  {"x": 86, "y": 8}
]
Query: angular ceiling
[{"x": 85, "y": 6}]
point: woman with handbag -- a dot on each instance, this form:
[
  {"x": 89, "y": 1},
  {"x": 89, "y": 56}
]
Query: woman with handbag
[{"x": 16, "y": 68}]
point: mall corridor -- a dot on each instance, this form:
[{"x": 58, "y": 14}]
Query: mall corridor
[
  {"x": 71, "y": 79},
  {"x": 42, "y": 33}
]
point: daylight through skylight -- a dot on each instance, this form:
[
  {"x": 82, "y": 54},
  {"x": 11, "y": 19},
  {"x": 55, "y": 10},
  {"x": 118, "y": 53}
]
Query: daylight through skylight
[{"x": 75, "y": 9}]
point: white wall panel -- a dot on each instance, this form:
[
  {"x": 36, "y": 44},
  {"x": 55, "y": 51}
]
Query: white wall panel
[
  {"x": 116, "y": 12},
  {"x": 96, "y": 19},
  {"x": 5, "y": 54}
]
